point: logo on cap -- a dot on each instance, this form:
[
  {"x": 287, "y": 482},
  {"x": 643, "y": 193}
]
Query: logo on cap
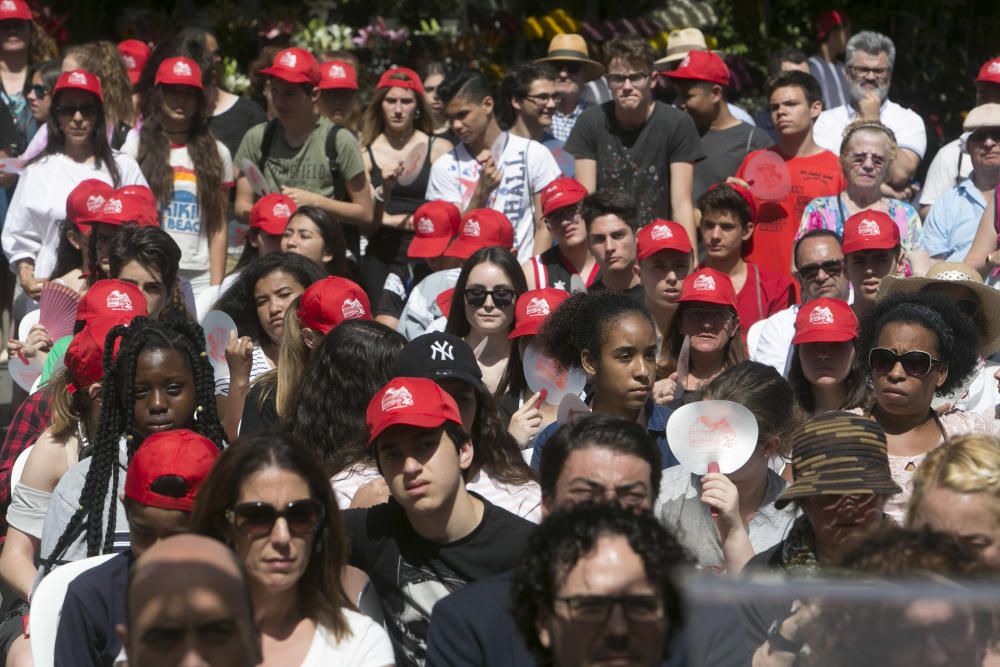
[
  {"x": 288, "y": 59},
  {"x": 821, "y": 315},
  {"x": 704, "y": 282},
  {"x": 118, "y": 301},
  {"x": 129, "y": 62},
  {"x": 396, "y": 399},
  {"x": 77, "y": 78},
  {"x": 337, "y": 72},
  {"x": 352, "y": 309},
  {"x": 95, "y": 203},
  {"x": 181, "y": 68},
  {"x": 113, "y": 206},
  {"x": 685, "y": 62},
  {"x": 994, "y": 67},
  {"x": 425, "y": 225},
  {"x": 661, "y": 232},
  {"x": 444, "y": 348},
  {"x": 869, "y": 228},
  {"x": 537, "y": 307},
  {"x": 8, "y": 6},
  {"x": 281, "y": 210},
  {"x": 471, "y": 228}
]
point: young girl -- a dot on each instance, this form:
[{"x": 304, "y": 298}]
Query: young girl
[
  {"x": 189, "y": 171},
  {"x": 612, "y": 338},
  {"x": 160, "y": 380},
  {"x": 317, "y": 236},
  {"x": 747, "y": 521},
  {"x": 490, "y": 282}
]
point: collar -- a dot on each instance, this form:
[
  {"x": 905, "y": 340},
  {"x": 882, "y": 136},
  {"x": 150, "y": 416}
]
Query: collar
[
  {"x": 657, "y": 416},
  {"x": 969, "y": 190}
]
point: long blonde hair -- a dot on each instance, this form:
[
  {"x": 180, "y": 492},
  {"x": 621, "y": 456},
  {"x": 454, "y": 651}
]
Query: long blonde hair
[
  {"x": 66, "y": 409},
  {"x": 283, "y": 381},
  {"x": 966, "y": 464}
]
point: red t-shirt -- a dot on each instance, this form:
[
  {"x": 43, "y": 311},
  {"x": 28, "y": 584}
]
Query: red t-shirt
[
  {"x": 778, "y": 221},
  {"x": 759, "y": 299}
]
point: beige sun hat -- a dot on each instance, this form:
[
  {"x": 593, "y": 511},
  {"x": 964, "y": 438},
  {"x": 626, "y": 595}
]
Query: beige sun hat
[
  {"x": 573, "y": 48},
  {"x": 680, "y": 43},
  {"x": 985, "y": 115},
  {"x": 962, "y": 274}
]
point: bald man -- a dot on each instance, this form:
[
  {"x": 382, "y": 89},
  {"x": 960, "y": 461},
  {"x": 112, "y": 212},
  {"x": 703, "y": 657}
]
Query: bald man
[{"x": 188, "y": 604}]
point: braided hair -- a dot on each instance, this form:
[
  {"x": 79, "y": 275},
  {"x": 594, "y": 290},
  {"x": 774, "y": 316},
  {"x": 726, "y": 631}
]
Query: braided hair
[{"x": 118, "y": 394}]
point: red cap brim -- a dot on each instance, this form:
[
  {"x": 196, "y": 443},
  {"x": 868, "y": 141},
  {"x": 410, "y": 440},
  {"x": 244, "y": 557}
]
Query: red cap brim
[
  {"x": 273, "y": 227},
  {"x": 427, "y": 246},
  {"x": 291, "y": 76},
  {"x": 824, "y": 336},
  {"x": 461, "y": 249},
  {"x": 525, "y": 329},
  {"x": 405, "y": 418}
]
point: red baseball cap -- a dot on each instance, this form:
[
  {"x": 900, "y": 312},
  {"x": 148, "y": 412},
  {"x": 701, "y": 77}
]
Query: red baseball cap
[
  {"x": 179, "y": 72},
  {"x": 271, "y": 213},
  {"x": 989, "y": 72},
  {"x": 533, "y": 308},
  {"x": 294, "y": 66},
  {"x": 563, "y": 191},
  {"x": 481, "y": 228},
  {"x": 708, "y": 286},
  {"x": 15, "y": 9},
  {"x": 829, "y": 21},
  {"x": 141, "y": 205},
  {"x": 85, "y": 202},
  {"x": 661, "y": 235},
  {"x": 328, "y": 302},
  {"x": 870, "y": 230},
  {"x": 84, "y": 358},
  {"x": 79, "y": 79},
  {"x": 743, "y": 192},
  {"x": 390, "y": 79},
  {"x": 135, "y": 55},
  {"x": 434, "y": 225},
  {"x": 168, "y": 468},
  {"x": 410, "y": 401},
  {"x": 825, "y": 320},
  {"x": 336, "y": 74},
  {"x": 702, "y": 66},
  {"x": 111, "y": 298}
]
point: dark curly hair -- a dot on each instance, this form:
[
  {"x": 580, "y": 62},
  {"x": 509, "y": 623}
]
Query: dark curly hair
[
  {"x": 118, "y": 398},
  {"x": 345, "y": 371},
  {"x": 566, "y": 536},
  {"x": 956, "y": 333}
]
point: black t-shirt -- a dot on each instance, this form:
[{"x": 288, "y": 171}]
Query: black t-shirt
[
  {"x": 636, "y": 292},
  {"x": 399, "y": 282},
  {"x": 724, "y": 153},
  {"x": 230, "y": 125},
  {"x": 411, "y": 573},
  {"x": 258, "y": 416},
  {"x": 636, "y": 161}
]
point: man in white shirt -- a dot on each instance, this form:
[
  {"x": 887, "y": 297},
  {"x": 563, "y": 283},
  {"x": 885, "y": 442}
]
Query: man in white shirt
[{"x": 870, "y": 59}]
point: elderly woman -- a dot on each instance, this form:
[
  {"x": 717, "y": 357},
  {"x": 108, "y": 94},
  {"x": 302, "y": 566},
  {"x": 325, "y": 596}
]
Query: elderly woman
[{"x": 866, "y": 156}]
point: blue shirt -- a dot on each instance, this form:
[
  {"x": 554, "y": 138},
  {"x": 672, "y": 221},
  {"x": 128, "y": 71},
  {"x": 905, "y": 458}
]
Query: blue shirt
[{"x": 953, "y": 221}]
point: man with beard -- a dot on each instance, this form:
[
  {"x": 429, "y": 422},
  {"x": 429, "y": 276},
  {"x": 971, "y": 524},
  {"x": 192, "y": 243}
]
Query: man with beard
[{"x": 870, "y": 59}]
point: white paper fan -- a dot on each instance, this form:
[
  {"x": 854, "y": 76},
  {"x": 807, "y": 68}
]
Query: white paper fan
[{"x": 57, "y": 309}]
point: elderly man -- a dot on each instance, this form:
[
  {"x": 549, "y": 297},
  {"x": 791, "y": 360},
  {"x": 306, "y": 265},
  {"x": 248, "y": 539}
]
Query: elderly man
[
  {"x": 870, "y": 59},
  {"x": 577, "y": 81}
]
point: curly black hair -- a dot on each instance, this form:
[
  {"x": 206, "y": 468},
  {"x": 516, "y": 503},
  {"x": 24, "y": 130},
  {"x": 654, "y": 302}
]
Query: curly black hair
[
  {"x": 117, "y": 395},
  {"x": 568, "y": 535},
  {"x": 956, "y": 333}
]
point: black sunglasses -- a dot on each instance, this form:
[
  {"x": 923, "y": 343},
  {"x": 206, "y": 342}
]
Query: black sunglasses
[
  {"x": 916, "y": 363},
  {"x": 38, "y": 89},
  {"x": 831, "y": 267},
  {"x": 85, "y": 110},
  {"x": 476, "y": 296},
  {"x": 256, "y": 520},
  {"x": 568, "y": 66}
]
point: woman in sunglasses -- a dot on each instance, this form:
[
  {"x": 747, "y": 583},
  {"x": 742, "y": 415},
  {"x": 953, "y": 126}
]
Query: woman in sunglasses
[
  {"x": 268, "y": 498},
  {"x": 918, "y": 346},
  {"x": 866, "y": 156},
  {"x": 39, "y": 93},
  {"x": 490, "y": 282}
]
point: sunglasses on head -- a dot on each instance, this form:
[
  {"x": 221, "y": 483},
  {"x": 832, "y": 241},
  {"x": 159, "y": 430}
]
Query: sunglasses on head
[
  {"x": 502, "y": 296},
  {"x": 255, "y": 520},
  {"x": 832, "y": 268},
  {"x": 916, "y": 363}
]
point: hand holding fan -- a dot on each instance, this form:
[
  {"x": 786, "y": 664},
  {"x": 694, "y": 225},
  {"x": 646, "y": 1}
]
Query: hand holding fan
[
  {"x": 544, "y": 374},
  {"x": 412, "y": 164},
  {"x": 57, "y": 309},
  {"x": 217, "y": 326},
  {"x": 256, "y": 179}
]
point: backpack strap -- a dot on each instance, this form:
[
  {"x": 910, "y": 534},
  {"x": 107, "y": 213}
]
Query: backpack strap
[
  {"x": 339, "y": 188},
  {"x": 266, "y": 142}
]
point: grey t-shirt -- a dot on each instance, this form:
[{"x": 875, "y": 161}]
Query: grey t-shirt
[
  {"x": 724, "y": 153},
  {"x": 636, "y": 162}
]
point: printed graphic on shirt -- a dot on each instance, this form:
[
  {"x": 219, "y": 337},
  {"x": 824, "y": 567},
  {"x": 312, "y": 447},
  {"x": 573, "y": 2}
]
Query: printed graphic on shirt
[{"x": 408, "y": 614}]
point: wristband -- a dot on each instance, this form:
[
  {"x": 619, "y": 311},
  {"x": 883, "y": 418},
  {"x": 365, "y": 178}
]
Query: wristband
[{"x": 781, "y": 643}]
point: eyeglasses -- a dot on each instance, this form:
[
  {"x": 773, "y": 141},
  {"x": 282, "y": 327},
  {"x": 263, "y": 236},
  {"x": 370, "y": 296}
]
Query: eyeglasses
[
  {"x": 916, "y": 363},
  {"x": 256, "y": 520},
  {"x": 864, "y": 71},
  {"x": 858, "y": 159},
  {"x": 502, "y": 296},
  {"x": 831, "y": 267},
  {"x": 635, "y": 78},
  {"x": 85, "y": 110},
  {"x": 39, "y": 90},
  {"x": 544, "y": 98},
  {"x": 969, "y": 307},
  {"x": 594, "y": 609}
]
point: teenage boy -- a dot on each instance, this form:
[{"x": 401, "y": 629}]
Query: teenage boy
[
  {"x": 161, "y": 485},
  {"x": 664, "y": 255},
  {"x": 701, "y": 80},
  {"x": 610, "y": 218},
  {"x": 871, "y": 252},
  {"x": 794, "y": 99},
  {"x": 529, "y": 91},
  {"x": 433, "y": 536},
  {"x": 726, "y": 224},
  {"x": 569, "y": 263},
  {"x": 302, "y": 154},
  {"x": 490, "y": 168},
  {"x": 636, "y": 145}
]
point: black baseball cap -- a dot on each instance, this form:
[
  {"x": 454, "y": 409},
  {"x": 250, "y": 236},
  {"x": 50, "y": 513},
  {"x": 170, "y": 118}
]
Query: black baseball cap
[{"x": 438, "y": 356}]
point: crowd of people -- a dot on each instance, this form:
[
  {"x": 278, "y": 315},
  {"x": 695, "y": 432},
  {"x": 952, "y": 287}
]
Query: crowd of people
[{"x": 451, "y": 421}]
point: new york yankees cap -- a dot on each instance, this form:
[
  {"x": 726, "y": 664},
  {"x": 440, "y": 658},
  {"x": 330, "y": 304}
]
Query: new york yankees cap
[{"x": 438, "y": 356}]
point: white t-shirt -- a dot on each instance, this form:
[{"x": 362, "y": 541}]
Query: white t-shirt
[
  {"x": 368, "y": 645},
  {"x": 769, "y": 341},
  {"x": 31, "y": 230},
  {"x": 949, "y": 167},
  {"x": 905, "y": 124},
  {"x": 181, "y": 216},
  {"x": 526, "y": 167}
]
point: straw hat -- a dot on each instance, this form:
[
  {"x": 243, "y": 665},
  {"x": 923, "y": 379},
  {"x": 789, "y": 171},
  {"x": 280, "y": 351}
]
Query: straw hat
[
  {"x": 962, "y": 274},
  {"x": 680, "y": 43},
  {"x": 573, "y": 48}
]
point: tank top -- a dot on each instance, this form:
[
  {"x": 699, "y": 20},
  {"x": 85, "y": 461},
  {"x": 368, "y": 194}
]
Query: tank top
[{"x": 388, "y": 244}]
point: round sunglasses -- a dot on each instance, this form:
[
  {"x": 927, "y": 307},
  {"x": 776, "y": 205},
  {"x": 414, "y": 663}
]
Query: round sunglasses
[
  {"x": 255, "y": 520},
  {"x": 916, "y": 363}
]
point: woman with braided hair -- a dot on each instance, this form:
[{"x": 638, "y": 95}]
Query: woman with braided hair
[{"x": 160, "y": 380}]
